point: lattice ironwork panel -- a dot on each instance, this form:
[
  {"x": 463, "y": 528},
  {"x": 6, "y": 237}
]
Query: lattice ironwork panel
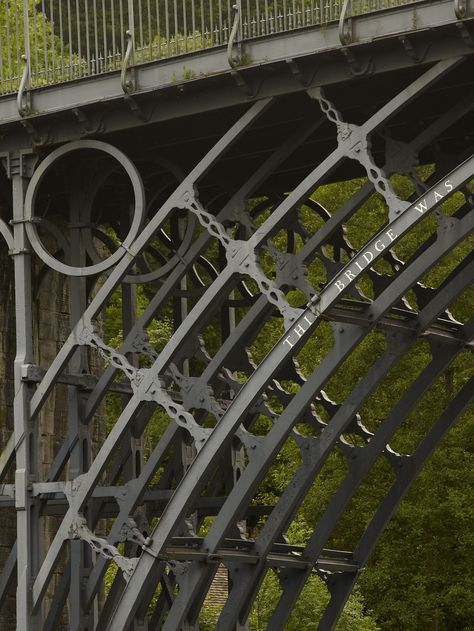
[{"x": 146, "y": 414}]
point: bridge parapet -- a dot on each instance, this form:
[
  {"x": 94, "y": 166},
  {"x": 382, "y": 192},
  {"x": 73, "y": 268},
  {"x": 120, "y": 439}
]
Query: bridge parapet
[{"x": 47, "y": 43}]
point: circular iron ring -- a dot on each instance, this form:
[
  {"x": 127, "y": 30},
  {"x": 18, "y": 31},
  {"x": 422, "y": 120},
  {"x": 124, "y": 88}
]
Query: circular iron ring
[{"x": 30, "y": 198}]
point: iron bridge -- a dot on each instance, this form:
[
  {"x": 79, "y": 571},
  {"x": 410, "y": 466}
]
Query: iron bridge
[{"x": 162, "y": 167}]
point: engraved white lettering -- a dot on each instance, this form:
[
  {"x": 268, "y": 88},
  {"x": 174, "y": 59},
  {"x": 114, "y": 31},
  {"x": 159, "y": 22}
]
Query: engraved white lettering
[
  {"x": 380, "y": 247},
  {"x": 299, "y": 330},
  {"x": 422, "y": 206},
  {"x": 366, "y": 256}
]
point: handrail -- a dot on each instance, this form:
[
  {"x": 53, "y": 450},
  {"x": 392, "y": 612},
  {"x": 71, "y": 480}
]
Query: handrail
[{"x": 66, "y": 43}]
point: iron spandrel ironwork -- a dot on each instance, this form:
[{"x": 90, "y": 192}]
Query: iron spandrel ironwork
[{"x": 140, "y": 440}]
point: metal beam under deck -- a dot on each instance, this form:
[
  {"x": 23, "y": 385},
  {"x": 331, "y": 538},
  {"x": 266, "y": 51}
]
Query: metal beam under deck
[{"x": 424, "y": 32}]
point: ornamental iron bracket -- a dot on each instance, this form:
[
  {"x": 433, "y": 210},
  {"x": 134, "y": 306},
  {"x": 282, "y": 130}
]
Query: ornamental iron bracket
[
  {"x": 460, "y": 9},
  {"x": 465, "y": 34},
  {"x": 345, "y": 26},
  {"x": 234, "y": 61},
  {"x": 24, "y": 97},
  {"x": 88, "y": 127},
  {"x": 127, "y": 76}
]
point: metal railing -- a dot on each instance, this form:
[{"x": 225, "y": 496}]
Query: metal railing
[{"x": 44, "y": 42}]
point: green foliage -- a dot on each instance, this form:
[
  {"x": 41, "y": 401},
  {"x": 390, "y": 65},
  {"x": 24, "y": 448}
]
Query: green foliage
[
  {"x": 422, "y": 561},
  {"x": 50, "y": 59},
  {"x": 306, "y": 614},
  {"x": 420, "y": 575},
  {"x": 308, "y": 609}
]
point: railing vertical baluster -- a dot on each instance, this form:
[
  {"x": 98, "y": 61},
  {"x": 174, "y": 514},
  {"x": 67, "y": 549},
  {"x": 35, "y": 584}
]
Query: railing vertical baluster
[
  {"x": 36, "y": 47},
  {"x": 114, "y": 42},
  {"x": 131, "y": 28},
  {"x": 18, "y": 46},
  {"x": 9, "y": 45},
  {"x": 122, "y": 29},
  {"x": 220, "y": 22},
  {"x": 167, "y": 25},
  {"x": 45, "y": 41},
  {"x": 2, "y": 78},
  {"x": 185, "y": 26},
  {"x": 61, "y": 39},
  {"x": 79, "y": 43},
  {"x": 211, "y": 22},
  {"x": 193, "y": 18},
  {"x": 88, "y": 45},
  {"x": 158, "y": 28},
  {"x": 53, "y": 42},
  {"x": 71, "y": 48},
  {"x": 176, "y": 27},
  {"x": 96, "y": 35},
  {"x": 203, "y": 28},
  {"x": 150, "y": 36},
  {"x": 104, "y": 29},
  {"x": 140, "y": 27},
  {"x": 240, "y": 32}
]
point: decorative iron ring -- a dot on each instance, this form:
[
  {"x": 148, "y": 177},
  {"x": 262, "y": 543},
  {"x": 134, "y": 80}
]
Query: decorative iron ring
[{"x": 138, "y": 216}]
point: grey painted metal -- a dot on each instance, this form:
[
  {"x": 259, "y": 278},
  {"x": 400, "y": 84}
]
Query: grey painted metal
[
  {"x": 178, "y": 606},
  {"x": 53, "y": 51},
  {"x": 342, "y": 586},
  {"x": 256, "y": 469},
  {"x": 157, "y": 501},
  {"x": 295, "y": 492},
  {"x": 35, "y": 183},
  {"x": 263, "y": 53},
  {"x": 360, "y": 464},
  {"x": 229, "y": 422}
]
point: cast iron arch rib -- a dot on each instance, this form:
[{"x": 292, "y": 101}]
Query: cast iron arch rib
[
  {"x": 209, "y": 460},
  {"x": 222, "y": 433},
  {"x": 262, "y": 460}
]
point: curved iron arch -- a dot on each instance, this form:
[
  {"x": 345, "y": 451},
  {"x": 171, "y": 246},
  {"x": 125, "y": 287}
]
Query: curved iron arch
[{"x": 161, "y": 554}]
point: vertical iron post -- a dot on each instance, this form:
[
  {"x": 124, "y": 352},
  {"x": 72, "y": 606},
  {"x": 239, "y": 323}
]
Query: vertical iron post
[
  {"x": 79, "y": 431},
  {"x": 26, "y": 434}
]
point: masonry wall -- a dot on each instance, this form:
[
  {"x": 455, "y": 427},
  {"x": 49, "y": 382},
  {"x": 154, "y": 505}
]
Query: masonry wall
[{"x": 51, "y": 327}]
